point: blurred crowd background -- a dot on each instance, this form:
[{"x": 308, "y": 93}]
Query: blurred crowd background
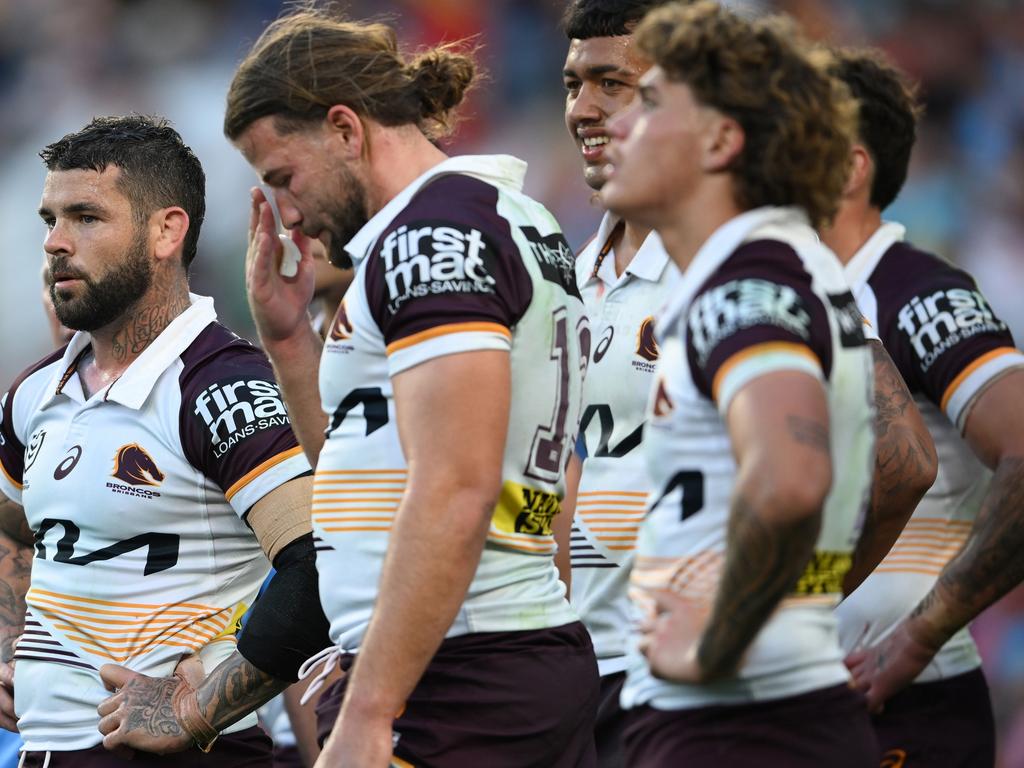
[{"x": 64, "y": 61}]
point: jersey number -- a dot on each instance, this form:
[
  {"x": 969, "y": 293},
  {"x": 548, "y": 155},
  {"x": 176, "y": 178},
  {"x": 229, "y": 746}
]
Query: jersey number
[
  {"x": 549, "y": 442},
  {"x": 163, "y": 547},
  {"x": 691, "y": 485}
]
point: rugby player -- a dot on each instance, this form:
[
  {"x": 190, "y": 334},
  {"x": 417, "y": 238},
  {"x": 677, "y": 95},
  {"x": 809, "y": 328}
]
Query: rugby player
[
  {"x": 760, "y": 437},
  {"x": 149, "y": 462},
  {"x": 451, "y": 382},
  {"x": 624, "y": 275},
  {"x": 961, "y": 549}
]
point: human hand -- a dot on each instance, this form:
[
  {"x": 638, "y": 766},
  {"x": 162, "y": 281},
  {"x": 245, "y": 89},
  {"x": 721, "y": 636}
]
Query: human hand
[
  {"x": 670, "y": 638},
  {"x": 278, "y": 303},
  {"x": 8, "y": 720},
  {"x": 141, "y": 714},
  {"x": 885, "y": 669},
  {"x": 357, "y": 742}
]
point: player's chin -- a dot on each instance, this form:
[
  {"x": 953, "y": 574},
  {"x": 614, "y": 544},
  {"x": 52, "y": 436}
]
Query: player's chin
[{"x": 617, "y": 196}]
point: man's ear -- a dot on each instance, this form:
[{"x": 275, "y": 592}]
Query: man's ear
[
  {"x": 862, "y": 171},
  {"x": 724, "y": 141},
  {"x": 347, "y": 129},
  {"x": 170, "y": 226}
]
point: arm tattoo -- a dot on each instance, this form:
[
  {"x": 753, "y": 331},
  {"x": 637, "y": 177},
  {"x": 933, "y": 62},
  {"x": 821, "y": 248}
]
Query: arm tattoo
[
  {"x": 15, "y": 572},
  {"x": 990, "y": 564},
  {"x": 808, "y": 432},
  {"x": 762, "y": 564},
  {"x": 234, "y": 689}
]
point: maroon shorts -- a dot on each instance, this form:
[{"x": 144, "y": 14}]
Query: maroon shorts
[
  {"x": 497, "y": 699},
  {"x": 947, "y": 723},
  {"x": 250, "y": 748},
  {"x": 611, "y": 720},
  {"x": 829, "y": 727},
  {"x": 288, "y": 757}
]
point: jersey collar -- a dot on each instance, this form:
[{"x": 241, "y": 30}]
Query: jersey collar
[
  {"x": 498, "y": 170},
  {"x": 864, "y": 261},
  {"x": 649, "y": 263},
  {"x": 135, "y": 384}
]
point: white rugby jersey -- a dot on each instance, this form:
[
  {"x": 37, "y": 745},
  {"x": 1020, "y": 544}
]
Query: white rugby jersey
[
  {"x": 614, "y": 485},
  {"x": 949, "y": 345},
  {"x": 459, "y": 261},
  {"x": 137, "y": 496},
  {"x": 762, "y": 295}
]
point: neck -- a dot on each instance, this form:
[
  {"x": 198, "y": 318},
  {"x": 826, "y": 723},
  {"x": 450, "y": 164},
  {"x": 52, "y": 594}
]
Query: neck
[
  {"x": 628, "y": 240},
  {"x": 399, "y": 156},
  {"x": 853, "y": 226},
  {"x": 690, "y": 224},
  {"x": 118, "y": 344}
]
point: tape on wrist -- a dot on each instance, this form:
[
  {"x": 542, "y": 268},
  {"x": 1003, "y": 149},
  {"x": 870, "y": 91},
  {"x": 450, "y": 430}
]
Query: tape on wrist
[{"x": 186, "y": 709}]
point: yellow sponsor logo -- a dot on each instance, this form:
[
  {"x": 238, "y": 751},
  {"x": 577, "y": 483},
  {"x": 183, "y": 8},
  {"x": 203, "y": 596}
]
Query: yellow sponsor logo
[
  {"x": 824, "y": 574},
  {"x": 235, "y": 625},
  {"x": 525, "y": 510}
]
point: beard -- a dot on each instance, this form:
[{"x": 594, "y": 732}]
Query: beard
[
  {"x": 106, "y": 299},
  {"x": 346, "y": 216}
]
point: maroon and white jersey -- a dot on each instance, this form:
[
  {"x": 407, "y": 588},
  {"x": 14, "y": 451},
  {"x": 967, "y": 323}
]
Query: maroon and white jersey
[
  {"x": 948, "y": 344},
  {"x": 762, "y": 295},
  {"x": 137, "y": 497},
  {"x": 460, "y": 261}
]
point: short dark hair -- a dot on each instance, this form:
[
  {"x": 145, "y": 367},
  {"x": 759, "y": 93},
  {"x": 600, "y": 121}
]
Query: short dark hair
[
  {"x": 157, "y": 168},
  {"x": 584, "y": 19},
  {"x": 887, "y": 121}
]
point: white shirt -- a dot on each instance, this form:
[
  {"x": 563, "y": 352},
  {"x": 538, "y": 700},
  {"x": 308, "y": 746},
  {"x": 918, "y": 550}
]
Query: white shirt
[
  {"x": 137, "y": 496},
  {"x": 948, "y": 345},
  {"x": 459, "y": 261},
  {"x": 614, "y": 485},
  {"x": 761, "y": 295}
]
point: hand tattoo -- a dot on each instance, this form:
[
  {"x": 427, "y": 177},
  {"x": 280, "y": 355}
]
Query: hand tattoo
[{"x": 149, "y": 705}]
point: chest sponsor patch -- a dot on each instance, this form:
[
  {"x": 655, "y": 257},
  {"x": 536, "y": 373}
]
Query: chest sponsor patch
[
  {"x": 236, "y": 408},
  {"x": 430, "y": 258},
  {"x": 936, "y": 322},
  {"x": 725, "y": 309}
]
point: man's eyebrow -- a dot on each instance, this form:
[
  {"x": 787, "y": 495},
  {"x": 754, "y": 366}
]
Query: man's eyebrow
[{"x": 597, "y": 70}]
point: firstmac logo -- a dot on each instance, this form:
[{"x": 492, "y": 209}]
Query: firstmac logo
[
  {"x": 233, "y": 410},
  {"x": 429, "y": 258},
  {"x": 936, "y": 322}
]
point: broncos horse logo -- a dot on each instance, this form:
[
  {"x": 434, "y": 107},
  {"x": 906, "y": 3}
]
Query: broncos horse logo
[
  {"x": 646, "y": 346},
  {"x": 136, "y": 467}
]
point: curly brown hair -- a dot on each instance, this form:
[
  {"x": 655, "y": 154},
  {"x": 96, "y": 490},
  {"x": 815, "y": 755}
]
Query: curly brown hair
[
  {"x": 309, "y": 60},
  {"x": 798, "y": 122}
]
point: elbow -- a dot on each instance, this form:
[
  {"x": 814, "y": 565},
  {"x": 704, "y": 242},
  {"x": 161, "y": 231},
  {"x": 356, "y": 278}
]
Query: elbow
[{"x": 785, "y": 495}]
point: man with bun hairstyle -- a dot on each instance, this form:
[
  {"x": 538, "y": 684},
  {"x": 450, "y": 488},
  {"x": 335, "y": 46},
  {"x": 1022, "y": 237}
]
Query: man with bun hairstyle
[
  {"x": 759, "y": 440},
  {"x": 907, "y": 624},
  {"x": 449, "y": 389}
]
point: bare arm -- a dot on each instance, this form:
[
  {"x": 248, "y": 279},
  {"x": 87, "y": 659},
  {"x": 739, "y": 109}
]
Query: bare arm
[
  {"x": 279, "y": 308},
  {"x": 15, "y": 572},
  {"x": 779, "y": 429},
  {"x": 460, "y": 402},
  {"x": 562, "y": 523},
  {"x": 987, "y": 566},
  {"x": 905, "y": 468}
]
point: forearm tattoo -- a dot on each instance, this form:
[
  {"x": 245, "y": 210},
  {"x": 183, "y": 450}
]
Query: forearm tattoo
[
  {"x": 234, "y": 689},
  {"x": 15, "y": 572},
  {"x": 763, "y": 563}
]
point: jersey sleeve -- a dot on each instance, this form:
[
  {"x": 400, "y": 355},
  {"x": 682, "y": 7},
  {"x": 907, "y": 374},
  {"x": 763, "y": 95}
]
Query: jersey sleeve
[
  {"x": 447, "y": 275},
  {"x": 941, "y": 332},
  {"x": 756, "y": 315},
  {"x": 235, "y": 429},
  {"x": 12, "y": 451}
]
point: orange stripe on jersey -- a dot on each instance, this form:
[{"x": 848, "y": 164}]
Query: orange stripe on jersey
[
  {"x": 252, "y": 474},
  {"x": 907, "y": 569},
  {"x": 765, "y": 348},
  {"x": 324, "y": 472},
  {"x": 7, "y": 474},
  {"x": 612, "y": 493},
  {"x": 176, "y": 607},
  {"x": 444, "y": 330},
  {"x": 962, "y": 376}
]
